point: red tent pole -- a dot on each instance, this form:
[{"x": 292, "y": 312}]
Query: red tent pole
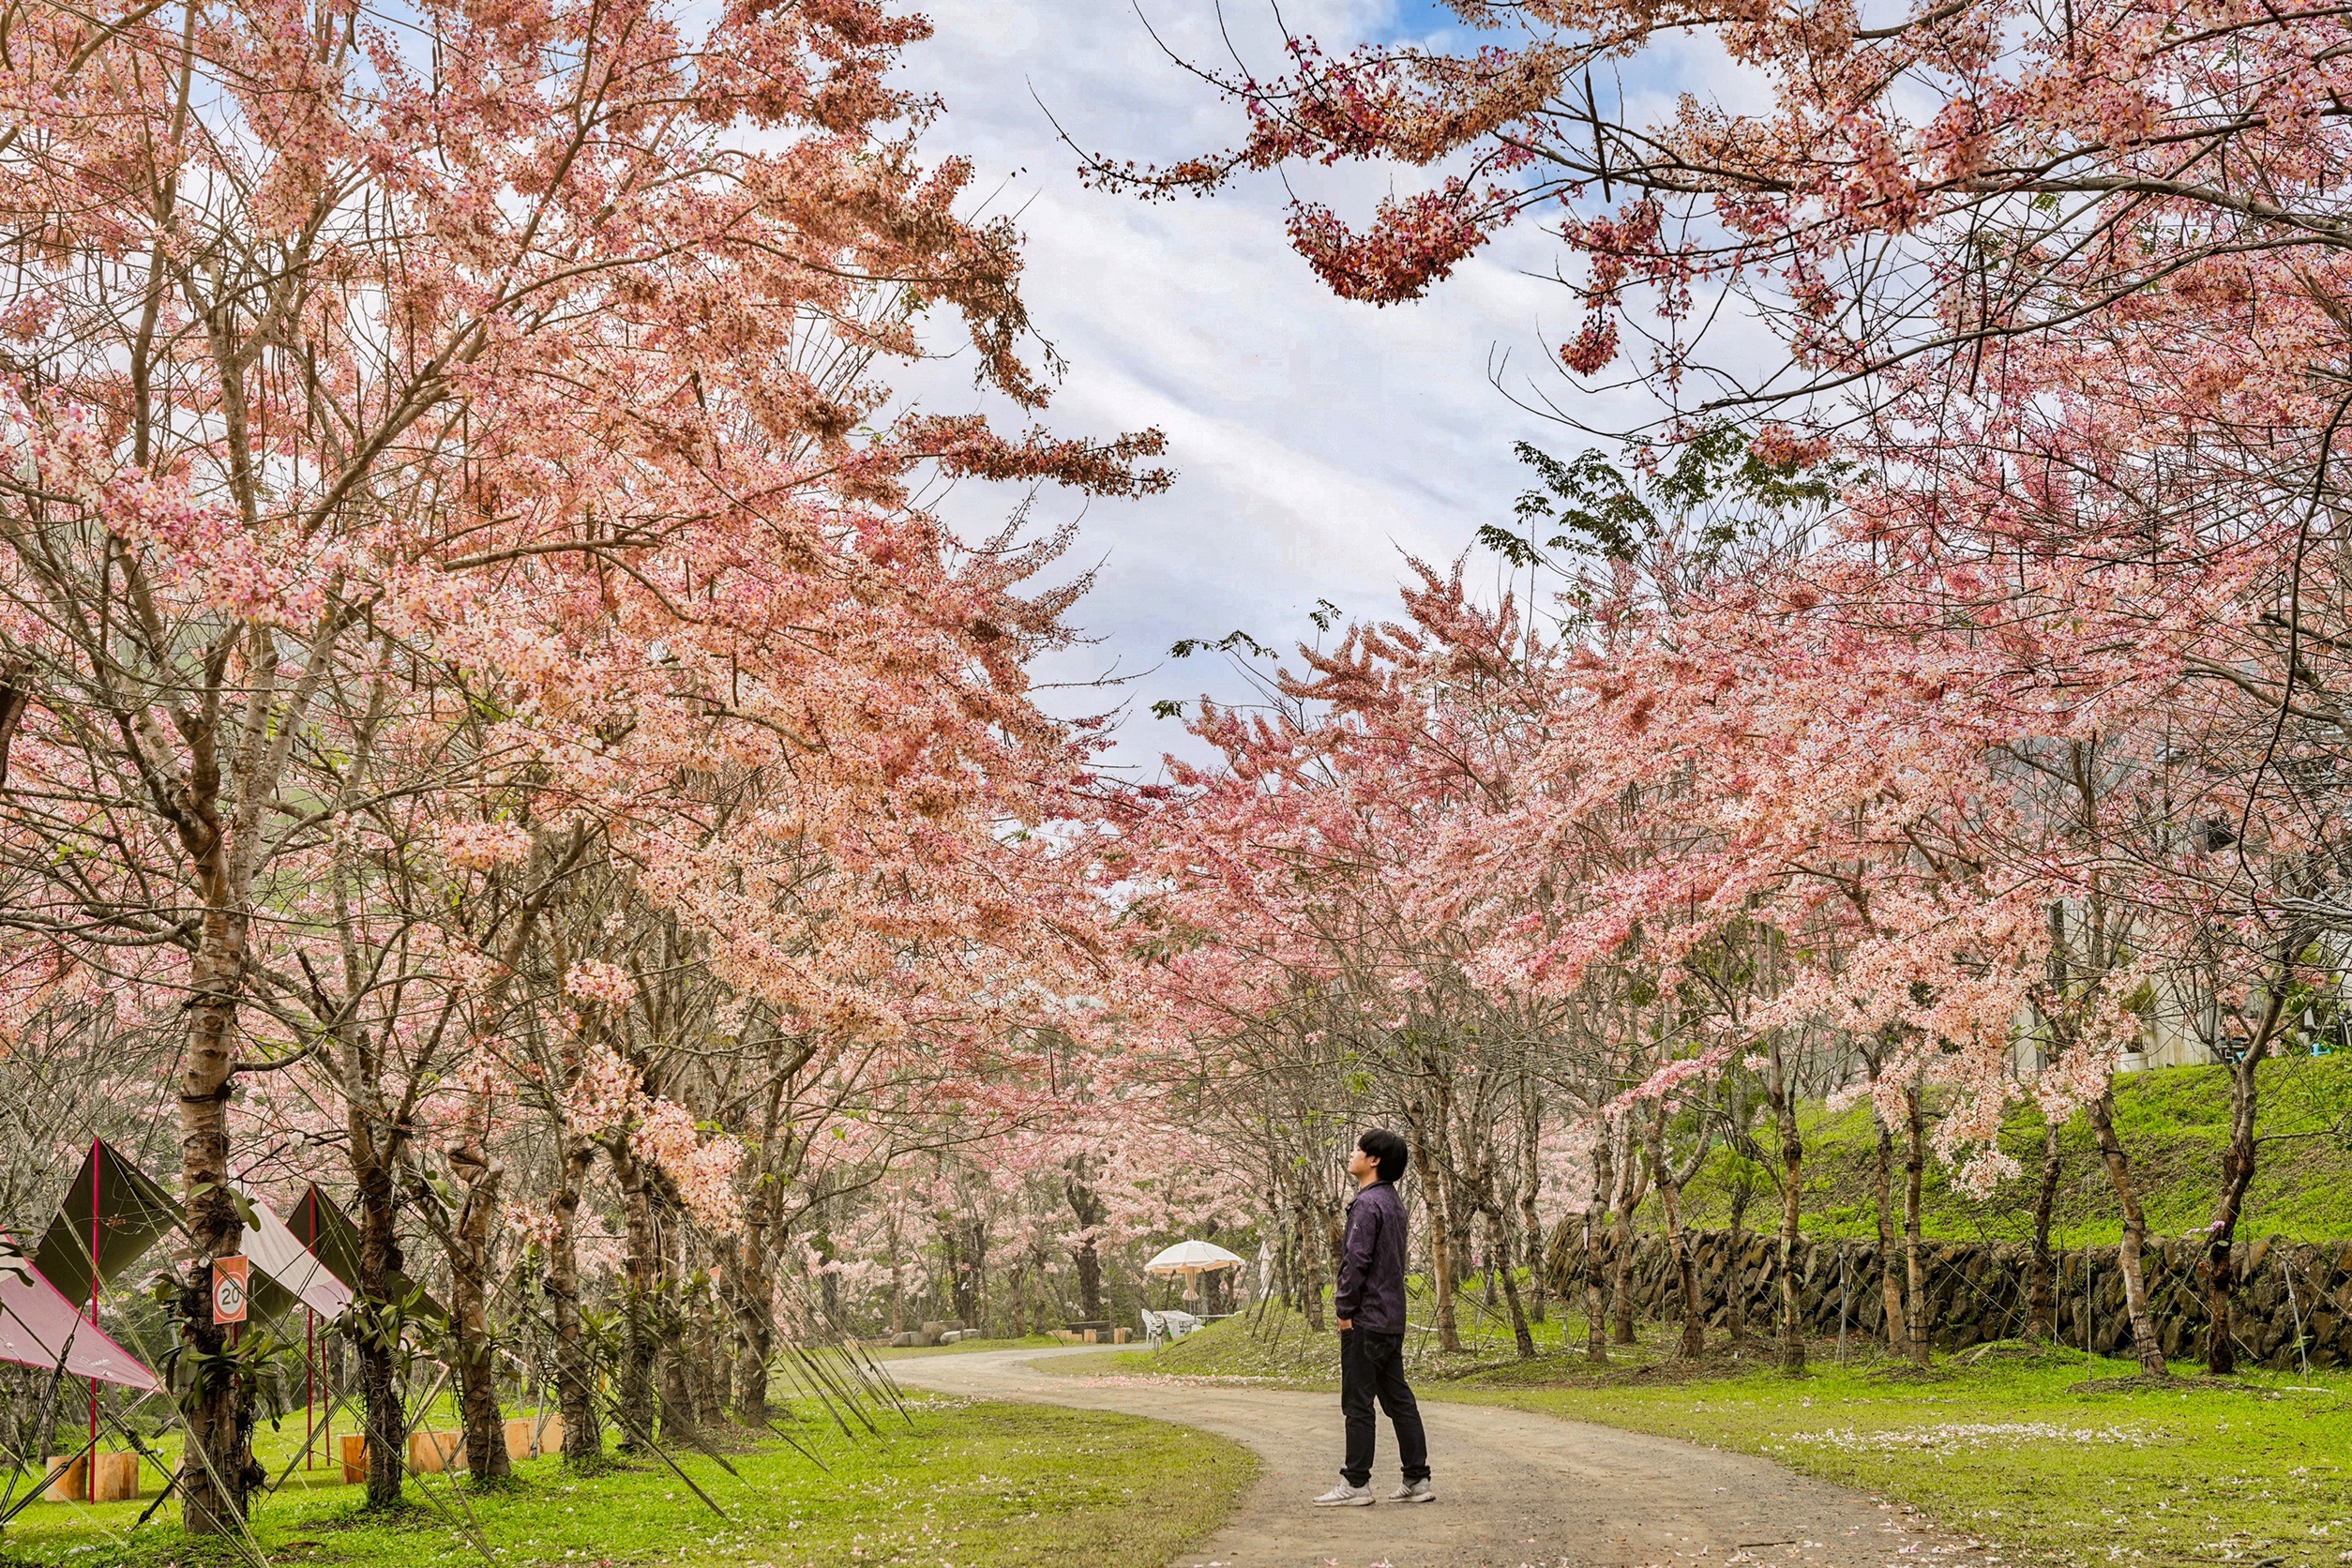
[
  {"x": 97, "y": 1154},
  {"x": 309, "y": 1375},
  {"x": 310, "y": 1383}
]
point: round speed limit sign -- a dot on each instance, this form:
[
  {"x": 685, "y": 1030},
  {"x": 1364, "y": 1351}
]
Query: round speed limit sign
[{"x": 231, "y": 1285}]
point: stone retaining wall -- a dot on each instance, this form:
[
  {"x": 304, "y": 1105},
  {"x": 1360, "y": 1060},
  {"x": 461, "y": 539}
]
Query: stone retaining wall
[{"x": 2287, "y": 1292}]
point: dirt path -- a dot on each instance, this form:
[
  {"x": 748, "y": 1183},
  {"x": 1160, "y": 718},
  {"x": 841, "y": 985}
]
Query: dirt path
[{"x": 1515, "y": 1490}]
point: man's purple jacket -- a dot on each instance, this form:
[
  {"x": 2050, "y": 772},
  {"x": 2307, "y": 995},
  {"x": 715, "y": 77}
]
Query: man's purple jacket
[{"x": 1372, "y": 1262}]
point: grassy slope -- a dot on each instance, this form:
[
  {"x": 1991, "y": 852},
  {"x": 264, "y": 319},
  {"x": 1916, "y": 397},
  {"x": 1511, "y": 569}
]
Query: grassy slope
[
  {"x": 2172, "y": 1123},
  {"x": 969, "y": 1484},
  {"x": 2005, "y": 1447}
]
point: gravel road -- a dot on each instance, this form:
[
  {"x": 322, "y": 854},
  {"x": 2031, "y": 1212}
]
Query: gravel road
[{"x": 1515, "y": 1490}]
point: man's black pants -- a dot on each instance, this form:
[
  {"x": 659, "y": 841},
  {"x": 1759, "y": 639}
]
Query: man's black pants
[{"x": 1369, "y": 1364}]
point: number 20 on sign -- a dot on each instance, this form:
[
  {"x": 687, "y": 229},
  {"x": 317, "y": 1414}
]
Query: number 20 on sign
[{"x": 231, "y": 1283}]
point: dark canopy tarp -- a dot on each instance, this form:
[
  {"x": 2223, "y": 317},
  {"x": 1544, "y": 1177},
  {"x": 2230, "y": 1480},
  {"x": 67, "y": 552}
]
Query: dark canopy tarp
[
  {"x": 334, "y": 1240},
  {"x": 330, "y": 1235},
  {"x": 133, "y": 1214}
]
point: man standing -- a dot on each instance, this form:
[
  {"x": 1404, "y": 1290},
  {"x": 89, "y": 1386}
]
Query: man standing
[{"x": 1370, "y": 1306}]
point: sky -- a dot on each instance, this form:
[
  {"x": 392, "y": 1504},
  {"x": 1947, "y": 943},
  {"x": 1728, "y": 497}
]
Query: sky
[{"x": 1317, "y": 442}]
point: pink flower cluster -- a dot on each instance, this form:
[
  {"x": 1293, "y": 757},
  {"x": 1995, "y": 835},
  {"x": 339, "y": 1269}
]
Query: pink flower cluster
[
  {"x": 485, "y": 846},
  {"x": 594, "y": 981}
]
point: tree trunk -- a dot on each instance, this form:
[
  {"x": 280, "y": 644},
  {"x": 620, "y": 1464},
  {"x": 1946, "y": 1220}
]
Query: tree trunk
[
  {"x": 675, "y": 1325},
  {"x": 1087, "y": 1206},
  {"x": 1441, "y": 1267},
  {"x": 1498, "y": 1237},
  {"x": 1793, "y": 1199},
  {"x": 709, "y": 1387},
  {"x": 2238, "y": 1173},
  {"x": 1596, "y": 1345},
  {"x": 377, "y": 1341},
  {"x": 1914, "y": 1167},
  {"x": 633, "y": 1382},
  {"x": 730, "y": 1303},
  {"x": 897, "y": 1289},
  {"x": 575, "y": 1366},
  {"x": 677, "y": 1384},
  {"x": 750, "y": 1292},
  {"x": 964, "y": 1283},
  {"x": 1467, "y": 1268},
  {"x": 1596, "y": 1332},
  {"x": 1306, "y": 1258},
  {"x": 1734, "y": 1287},
  {"x": 1635, "y": 1183},
  {"x": 828, "y": 1282},
  {"x": 1889, "y": 1282},
  {"x": 2152, "y": 1355},
  {"x": 382, "y": 1420},
  {"x": 2042, "y": 1286},
  {"x": 1531, "y": 1177},
  {"x": 1442, "y": 1258},
  {"x": 469, "y": 1320},
  {"x": 726, "y": 1293},
  {"x": 1621, "y": 1282},
  {"x": 219, "y": 1473},
  {"x": 1693, "y": 1340},
  {"x": 2041, "y": 1296},
  {"x": 1088, "y": 1259}
]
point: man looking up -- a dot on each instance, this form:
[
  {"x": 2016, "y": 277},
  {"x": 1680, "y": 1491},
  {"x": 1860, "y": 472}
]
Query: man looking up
[{"x": 1370, "y": 1306}]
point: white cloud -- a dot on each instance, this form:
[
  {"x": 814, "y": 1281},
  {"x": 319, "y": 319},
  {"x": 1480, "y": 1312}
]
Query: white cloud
[{"x": 1317, "y": 441}]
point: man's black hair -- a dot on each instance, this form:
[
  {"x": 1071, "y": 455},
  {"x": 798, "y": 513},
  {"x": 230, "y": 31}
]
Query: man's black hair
[{"x": 1387, "y": 1148}]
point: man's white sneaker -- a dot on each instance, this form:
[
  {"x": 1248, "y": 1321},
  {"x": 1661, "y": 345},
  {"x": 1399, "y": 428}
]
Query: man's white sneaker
[
  {"x": 1413, "y": 1491},
  {"x": 1344, "y": 1496}
]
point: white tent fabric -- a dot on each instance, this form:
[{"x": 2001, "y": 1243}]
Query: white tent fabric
[
  {"x": 41, "y": 1328},
  {"x": 276, "y": 1253},
  {"x": 1193, "y": 1258},
  {"x": 1159, "y": 1327}
]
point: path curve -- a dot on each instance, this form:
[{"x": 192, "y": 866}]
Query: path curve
[{"x": 1515, "y": 1489}]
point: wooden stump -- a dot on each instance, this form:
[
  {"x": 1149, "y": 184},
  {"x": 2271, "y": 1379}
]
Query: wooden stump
[
  {"x": 73, "y": 1484},
  {"x": 431, "y": 1453},
  {"x": 520, "y": 1443},
  {"x": 354, "y": 1456},
  {"x": 115, "y": 1477}
]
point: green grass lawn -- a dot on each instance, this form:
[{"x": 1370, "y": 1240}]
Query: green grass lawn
[
  {"x": 969, "y": 1484},
  {"x": 2005, "y": 1446},
  {"x": 2016, "y": 1452},
  {"x": 278, "y": 1445}
]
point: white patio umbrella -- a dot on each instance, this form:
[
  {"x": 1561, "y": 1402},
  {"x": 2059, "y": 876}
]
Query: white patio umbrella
[{"x": 1192, "y": 1260}]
